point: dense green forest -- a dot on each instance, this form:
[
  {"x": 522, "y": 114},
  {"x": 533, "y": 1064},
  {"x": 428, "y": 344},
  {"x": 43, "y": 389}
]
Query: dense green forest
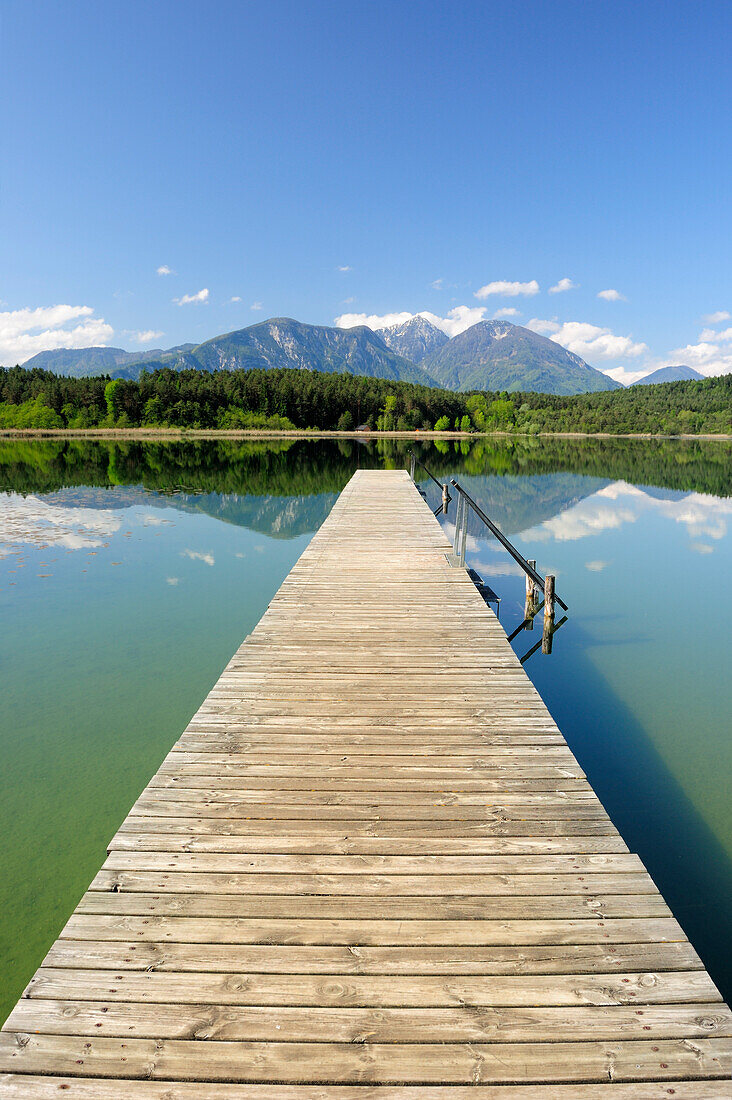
[
  {"x": 300, "y": 468},
  {"x": 284, "y": 399}
]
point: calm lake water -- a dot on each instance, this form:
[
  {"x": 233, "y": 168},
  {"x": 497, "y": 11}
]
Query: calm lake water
[{"x": 129, "y": 574}]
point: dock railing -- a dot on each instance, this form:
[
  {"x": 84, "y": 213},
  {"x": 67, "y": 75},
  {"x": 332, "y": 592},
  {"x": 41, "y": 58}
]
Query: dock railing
[{"x": 535, "y": 583}]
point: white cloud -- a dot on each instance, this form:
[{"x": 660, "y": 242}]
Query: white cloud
[
  {"x": 544, "y": 328},
  {"x": 24, "y": 332},
  {"x": 196, "y": 555},
  {"x": 437, "y": 284},
  {"x": 596, "y": 566},
  {"x": 348, "y": 301},
  {"x": 702, "y": 516},
  {"x": 172, "y": 580},
  {"x": 234, "y": 298},
  {"x": 32, "y": 521},
  {"x": 716, "y": 337},
  {"x": 256, "y": 306},
  {"x": 508, "y": 290},
  {"x": 164, "y": 270},
  {"x": 716, "y": 318},
  {"x": 562, "y": 285},
  {"x": 612, "y": 296},
  {"x": 198, "y": 297},
  {"x": 373, "y": 320},
  {"x": 701, "y": 547},
  {"x": 589, "y": 341},
  {"x": 457, "y": 319},
  {"x": 508, "y": 311},
  {"x": 625, "y": 377},
  {"x": 344, "y": 267},
  {"x": 146, "y": 336},
  {"x": 706, "y": 357}
]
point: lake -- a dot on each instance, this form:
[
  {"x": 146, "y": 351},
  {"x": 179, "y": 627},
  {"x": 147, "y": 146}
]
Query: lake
[{"x": 130, "y": 572}]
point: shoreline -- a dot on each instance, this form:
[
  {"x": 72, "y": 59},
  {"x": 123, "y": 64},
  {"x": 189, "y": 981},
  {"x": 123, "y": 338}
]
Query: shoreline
[{"x": 182, "y": 434}]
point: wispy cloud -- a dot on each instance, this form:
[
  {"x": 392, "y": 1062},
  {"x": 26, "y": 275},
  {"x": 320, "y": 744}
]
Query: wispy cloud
[
  {"x": 256, "y": 306},
  {"x": 611, "y": 295},
  {"x": 562, "y": 285},
  {"x": 197, "y": 555},
  {"x": 234, "y": 298},
  {"x": 508, "y": 290},
  {"x": 24, "y": 332},
  {"x": 437, "y": 284},
  {"x": 344, "y": 267},
  {"x": 172, "y": 580},
  {"x": 165, "y": 270},
  {"x": 146, "y": 336},
  {"x": 716, "y": 318},
  {"x": 507, "y": 311},
  {"x": 193, "y": 299},
  {"x": 596, "y": 566}
]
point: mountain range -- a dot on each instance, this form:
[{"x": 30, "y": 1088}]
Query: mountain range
[{"x": 491, "y": 355}]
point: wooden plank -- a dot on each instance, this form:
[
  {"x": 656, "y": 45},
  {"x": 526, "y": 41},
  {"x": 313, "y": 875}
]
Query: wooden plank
[
  {"x": 315, "y": 1024},
  {"x": 383, "y": 1063},
  {"x": 598, "y": 955},
  {"x": 380, "y": 990},
  {"x": 370, "y": 867},
  {"x": 369, "y": 931},
  {"x": 31, "y": 1087},
  {"x": 483, "y": 908}
]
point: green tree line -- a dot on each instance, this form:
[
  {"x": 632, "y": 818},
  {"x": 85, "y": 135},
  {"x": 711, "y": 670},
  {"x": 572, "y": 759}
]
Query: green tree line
[{"x": 283, "y": 399}]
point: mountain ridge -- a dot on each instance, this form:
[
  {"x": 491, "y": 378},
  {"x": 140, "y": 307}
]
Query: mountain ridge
[
  {"x": 498, "y": 356},
  {"x": 415, "y": 339},
  {"x": 491, "y": 355},
  {"x": 674, "y": 373}
]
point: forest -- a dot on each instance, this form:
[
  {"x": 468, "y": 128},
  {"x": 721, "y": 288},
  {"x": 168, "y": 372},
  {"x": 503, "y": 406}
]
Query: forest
[{"x": 287, "y": 399}]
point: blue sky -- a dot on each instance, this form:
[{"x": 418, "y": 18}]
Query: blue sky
[{"x": 328, "y": 160}]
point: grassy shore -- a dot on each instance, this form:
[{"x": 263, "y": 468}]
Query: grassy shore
[{"x": 177, "y": 434}]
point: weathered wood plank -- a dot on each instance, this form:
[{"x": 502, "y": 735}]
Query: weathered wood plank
[
  {"x": 85, "y": 1088},
  {"x": 384, "y": 1063},
  {"x": 381, "y": 990}
]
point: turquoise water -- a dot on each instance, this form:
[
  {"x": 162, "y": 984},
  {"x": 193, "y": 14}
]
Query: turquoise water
[{"x": 130, "y": 574}]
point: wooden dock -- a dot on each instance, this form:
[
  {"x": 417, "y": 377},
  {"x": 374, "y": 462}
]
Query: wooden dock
[{"x": 370, "y": 868}]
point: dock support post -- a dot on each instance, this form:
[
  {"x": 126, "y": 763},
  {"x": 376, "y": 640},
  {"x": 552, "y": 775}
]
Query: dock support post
[
  {"x": 445, "y": 499},
  {"x": 531, "y": 591},
  {"x": 546, "y": 640},
  {"x": 412, "y": 467}
]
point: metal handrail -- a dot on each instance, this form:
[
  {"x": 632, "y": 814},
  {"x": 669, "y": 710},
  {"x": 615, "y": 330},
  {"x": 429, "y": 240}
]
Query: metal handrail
[
  {"x": 446, "y": 498},
  {"x": 429, "y": 474},
  {"x": 530, "y": 571}
]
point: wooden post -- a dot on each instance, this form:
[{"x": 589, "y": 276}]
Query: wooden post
[
  {"x": 445, "y": 499},
  {"x": 549, "y": 597},
  {"x": 530, "y": 607},
  {"x": 546, "y": 640},
  {"x": 412, "y": 467}
]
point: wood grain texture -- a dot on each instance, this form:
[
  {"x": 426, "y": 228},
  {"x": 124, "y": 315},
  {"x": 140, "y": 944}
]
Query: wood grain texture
[{"x": 370, "y": 868}]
